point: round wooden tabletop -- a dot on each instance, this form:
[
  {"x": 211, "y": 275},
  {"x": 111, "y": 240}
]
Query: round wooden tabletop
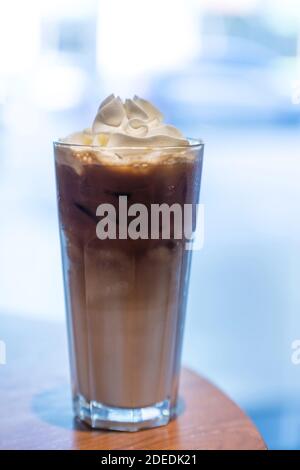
[{"x": 35, "y": 403}]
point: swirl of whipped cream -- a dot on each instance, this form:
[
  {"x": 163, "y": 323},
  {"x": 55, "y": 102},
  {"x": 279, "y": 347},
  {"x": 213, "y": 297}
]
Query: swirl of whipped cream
[{"x": 135, "y": 122}]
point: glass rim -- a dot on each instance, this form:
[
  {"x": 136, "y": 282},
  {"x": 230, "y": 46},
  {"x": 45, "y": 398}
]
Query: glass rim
[{"x": 193, "y": 144}]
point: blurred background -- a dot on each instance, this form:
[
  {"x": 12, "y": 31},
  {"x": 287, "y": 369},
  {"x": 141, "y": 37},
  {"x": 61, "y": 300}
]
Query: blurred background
[{"x": 226, "y": 71}]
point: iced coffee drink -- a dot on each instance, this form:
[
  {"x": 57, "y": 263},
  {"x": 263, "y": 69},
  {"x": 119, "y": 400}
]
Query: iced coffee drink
[{"x": 126, "y": 280}]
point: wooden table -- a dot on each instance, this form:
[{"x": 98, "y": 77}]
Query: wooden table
[{"x": 35, "y": 403}]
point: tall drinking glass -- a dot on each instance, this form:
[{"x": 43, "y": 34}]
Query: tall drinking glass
[{"x": 125, "y": 293}]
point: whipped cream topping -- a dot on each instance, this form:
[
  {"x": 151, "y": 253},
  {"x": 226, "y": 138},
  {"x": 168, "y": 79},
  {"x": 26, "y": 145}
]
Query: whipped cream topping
[{"x": 134, "y": 122}]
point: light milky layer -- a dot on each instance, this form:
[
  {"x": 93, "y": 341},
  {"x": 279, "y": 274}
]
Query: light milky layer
[
  {"x": 129, "y": 159},
  {"x": 132, "y": 123}
]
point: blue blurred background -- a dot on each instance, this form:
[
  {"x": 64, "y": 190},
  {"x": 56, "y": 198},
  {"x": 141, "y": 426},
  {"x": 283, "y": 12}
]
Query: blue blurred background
[{"x": 226, "y": 71}]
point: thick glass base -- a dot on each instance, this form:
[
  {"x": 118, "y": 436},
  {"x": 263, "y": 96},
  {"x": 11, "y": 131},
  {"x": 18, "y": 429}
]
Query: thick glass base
[{"x": 100, "y": 416}]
